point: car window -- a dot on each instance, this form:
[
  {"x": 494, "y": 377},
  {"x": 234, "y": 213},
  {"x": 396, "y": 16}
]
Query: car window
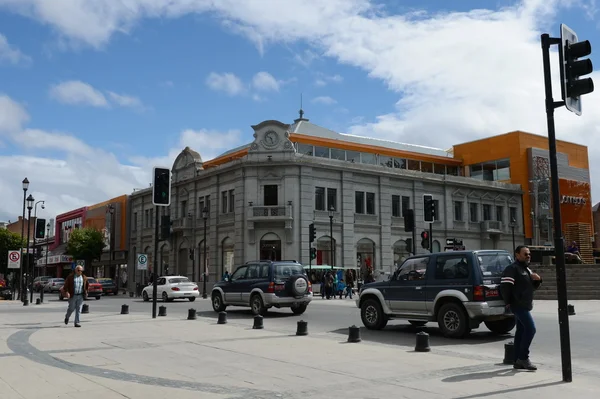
[
  {"x": 264, "y": 271},
  {"x": 161, "y": 281},
  {"x": 451, "y": 267},
  {"x": 179, "y": 280},
  {"x": 493, "y": 264},
  {"x": 283, "y": 271},
  {"x": 413, "y": 269},
  {"x": 253, "y": 271},
  {"x": 239, "y": 274},
  {"x": 91, "y": 280}
]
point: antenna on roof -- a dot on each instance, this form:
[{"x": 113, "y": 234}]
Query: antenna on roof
[{"x": 301, "y": 112}]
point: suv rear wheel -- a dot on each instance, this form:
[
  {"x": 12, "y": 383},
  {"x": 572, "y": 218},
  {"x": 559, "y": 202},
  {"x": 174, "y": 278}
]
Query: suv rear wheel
[
  {"x": 453, "y": 320},
  {"x": 372, "y": 315},
  {"x": 503, "y": 326},
  {"x": 299, "y": 309},
  {"x": 257, "y": 305}
]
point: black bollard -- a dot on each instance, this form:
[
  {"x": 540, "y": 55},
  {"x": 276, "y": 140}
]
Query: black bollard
[
  {"x": 571, "y": 310},
  {"x": 509, "y": 353},
  {"x": 422, "y": 344},
  {"x": 85, "y": 308},
  {"x": 353, "y": 334},
  {"x": 162, "y": 311},
  {"x": 192, "y": 314},
  {"x": 258, "y": 322},
  {"x": 38, "y": 301},
  {"x": 222, "y": 318},
  {"x": 124, "y": 309},
  {"x": 131, "y": 294},
  {"x": 25, "y": 302},
  {"x": 302, "y": 328}
]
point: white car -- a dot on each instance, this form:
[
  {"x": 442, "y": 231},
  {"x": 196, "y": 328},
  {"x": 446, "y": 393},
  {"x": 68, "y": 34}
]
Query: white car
[{"x": 173, "y": 287}]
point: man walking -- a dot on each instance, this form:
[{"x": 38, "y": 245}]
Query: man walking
[
  {"x": 517, "y": 286},
  {"x": 75, "y": 289}
]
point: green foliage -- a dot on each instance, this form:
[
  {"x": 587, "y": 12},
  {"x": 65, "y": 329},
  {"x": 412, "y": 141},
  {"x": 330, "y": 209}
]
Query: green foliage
[
  {"x": 8, "y": 242},
  {"x": 86, "y": 244}
]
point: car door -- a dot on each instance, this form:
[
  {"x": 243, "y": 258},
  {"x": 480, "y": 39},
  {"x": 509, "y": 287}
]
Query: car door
[
  {"x": 406, "y": 291},
  {"x": 449, "y": 272},
  {"x": 161, "y": 286},
  {"x": 233, "y": 290},
  {"x": 252, "y": 277}
]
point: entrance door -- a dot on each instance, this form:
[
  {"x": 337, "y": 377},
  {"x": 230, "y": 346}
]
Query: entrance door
[
  {"x": 270, "y": 196},
  {"x": 270, "y": 250}
]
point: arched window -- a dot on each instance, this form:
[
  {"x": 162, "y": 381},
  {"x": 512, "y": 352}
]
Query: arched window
[
  {"x": 325, "y": 247},
  {"x": 400, "y": 252},
  {"x": 365, "y": 256}
]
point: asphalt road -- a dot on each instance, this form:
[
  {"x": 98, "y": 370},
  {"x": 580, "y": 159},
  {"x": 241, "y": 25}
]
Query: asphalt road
[{"x": 333, "y": 317}]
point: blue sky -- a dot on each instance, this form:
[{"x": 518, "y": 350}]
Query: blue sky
[{"x": 92, "y": 97}]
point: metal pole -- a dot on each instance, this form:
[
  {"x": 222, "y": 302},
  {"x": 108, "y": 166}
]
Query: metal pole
[
  {"x": 513, "y": 237},
  {"x": 431, "y": 237},
  {"x": 112, "y": 246},
  {"x": 204, "y": 294},
  {"x": 21, "y": 249},
  {"x": 561, "y": 278},
  {"x": 29, "y": 266},
  {"x": 46, "y": 262},
  {"x": 154, "y": 264},
  {"x": 331, "y": 241}
]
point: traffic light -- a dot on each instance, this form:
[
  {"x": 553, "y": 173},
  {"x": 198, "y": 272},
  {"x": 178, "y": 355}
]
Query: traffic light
[
  {"x": 313, "y": 253},
  {"x": 425, "y": 240},
  {"x": 161, "y": 189},
  {"x": 165, "y": 227},
  {"x": 428, "y": 208},
  {"x": 191, "y": 254},
  {"x": 572, "y": 68},
  {"x": 409, "y": 220},
  {"x": 312, "y": 232},
  {"x": 40, "y": 228}
]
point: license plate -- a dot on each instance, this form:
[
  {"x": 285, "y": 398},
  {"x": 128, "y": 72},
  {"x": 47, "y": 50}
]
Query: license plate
[
  {"x": 491, "y": 293},
  {"x": 187, "y": 294}
]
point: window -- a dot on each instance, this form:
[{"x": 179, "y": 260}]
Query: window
[
  {"x": 147, "y": 218},
  {"x": 439, "y": 169},
  {"x": 405, "y": 204},
  {"x": 513, "y": 214},
  {"x": 491, "y": 170},
  {"x": 414, "y": 165},
  {"x": 413, "y": 269},
  {"x": 224, "y": 202},
  {"x": 322, "y": 152},
  {"x": 368, "y": 158},
  {"x": 452, "y": 170},
  {"x": 386, "y": 161},
  {"x": 502, "y": 170},
  {"x": 200, "y": 206},
  {"x": 283, "y": 271},
  {"x": 338, "y": 154},
  {"x": 451, "y": 267},
  {"x": 331, "y": 199},
  {"x": 436, "y": 206},
  {"x": 184, "y": 210},
  {"x": 353, "y": 156},
  {"x": 487, "y": 212},
  {"x": 239, "y": 274},
  {"x": 458, "y": 211},
  {"x": 426, "y": 167},
  {"x": 396, "y": 207},
  {"x": 231, "y": 200},
  {"x": 305, "y": 149},
  {"x": 400, "y": 163},
  {"x": 359, "y": 202},
  {"x": 370, "y": 203},
  {"x": 135, "y": 221},
  {"x": 493, "y": 264},
  {"x": 473, "y": 213},
  {"x": 320, "y": 198},
  {"x": 499, "y": 213},
  {"x": 270, "y": 195}
]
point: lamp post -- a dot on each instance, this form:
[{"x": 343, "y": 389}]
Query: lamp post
[
  {"x": 513, "y": 224},
  {"x": 25, "y": 188},
  {"x": 110, "y": 208},
  {"x": 46, "y": 262},
  {"x": 331, "y": 210},
  {"x": 30, "y": 201},
  {"x": 204, "y": 217},
  {"x": 35, "y": 217}
]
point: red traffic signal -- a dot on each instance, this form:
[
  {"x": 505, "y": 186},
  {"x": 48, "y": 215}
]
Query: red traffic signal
[{"x": 424, "y": 235}]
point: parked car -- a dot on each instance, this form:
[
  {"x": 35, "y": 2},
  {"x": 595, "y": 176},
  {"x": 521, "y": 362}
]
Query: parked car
[
  {"x": 172, "y": 287},
  {"x": 39, "y": 282},
  {"x": 94, "y": 288},
  {"x": 458, "y": 290},
  {"x": 108, "y": 286},
  {"x": 54, "y": 285},
  {"x": 263, "y": 285},
  {"x": 6, "y": 292}
]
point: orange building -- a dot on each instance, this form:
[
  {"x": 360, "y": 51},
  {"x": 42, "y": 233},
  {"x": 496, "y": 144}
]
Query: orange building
[
  {"x": 522, "y": 158},
  {"x": 99, "y": 216}
]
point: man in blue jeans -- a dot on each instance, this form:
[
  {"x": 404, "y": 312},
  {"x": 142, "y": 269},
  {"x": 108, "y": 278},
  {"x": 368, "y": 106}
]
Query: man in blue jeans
[{"x": 517, "y": 286}]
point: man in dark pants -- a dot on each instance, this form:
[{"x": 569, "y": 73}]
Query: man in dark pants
[{"x": 517, "y": 286}]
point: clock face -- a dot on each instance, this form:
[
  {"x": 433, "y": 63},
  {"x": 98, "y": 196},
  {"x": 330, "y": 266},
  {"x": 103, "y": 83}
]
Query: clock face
[{"x": 271, "y": 139}]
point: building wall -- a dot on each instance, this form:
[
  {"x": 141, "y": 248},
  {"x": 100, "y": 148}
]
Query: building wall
[
  {"x": 98, "y": 217},
  {"x": 63, "y": 219}
]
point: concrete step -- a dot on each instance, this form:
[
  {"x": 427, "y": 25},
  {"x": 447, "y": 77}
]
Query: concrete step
[{"x": 571, "y": 296}]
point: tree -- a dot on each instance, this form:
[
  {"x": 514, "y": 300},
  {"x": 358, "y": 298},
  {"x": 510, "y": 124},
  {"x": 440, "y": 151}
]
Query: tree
[
  {"x": 8, "y": 242},
  {"x": 86, "y": 244}
]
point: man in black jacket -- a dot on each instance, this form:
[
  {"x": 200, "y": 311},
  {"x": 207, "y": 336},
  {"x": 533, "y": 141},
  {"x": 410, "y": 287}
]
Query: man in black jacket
[{"x": 517, "y": 286}]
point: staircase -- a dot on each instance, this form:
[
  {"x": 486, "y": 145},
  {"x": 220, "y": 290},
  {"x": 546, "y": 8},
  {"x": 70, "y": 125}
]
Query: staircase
[{"x": 583, "y": 281}]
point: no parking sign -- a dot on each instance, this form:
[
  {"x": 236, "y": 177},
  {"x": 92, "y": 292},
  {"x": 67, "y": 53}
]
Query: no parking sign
[{"x": 14, "y": 260}]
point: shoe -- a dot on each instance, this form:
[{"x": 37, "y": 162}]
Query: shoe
[
  {"x": 66, "y": 321},
  {"x": 77, "y": 325},
  {"x": 524, "y": 365}
]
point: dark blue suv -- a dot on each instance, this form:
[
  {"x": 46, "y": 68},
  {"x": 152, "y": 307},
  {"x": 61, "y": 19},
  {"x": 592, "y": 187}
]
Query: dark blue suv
[{"x": 264, "y": 284}]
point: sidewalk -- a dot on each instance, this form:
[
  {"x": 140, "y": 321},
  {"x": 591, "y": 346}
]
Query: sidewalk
[{"x": 134, "y": 356}]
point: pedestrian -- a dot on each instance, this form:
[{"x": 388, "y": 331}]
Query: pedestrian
[
  {"x": 75, "y": 290},
  {"x": 517, "y": 285}
]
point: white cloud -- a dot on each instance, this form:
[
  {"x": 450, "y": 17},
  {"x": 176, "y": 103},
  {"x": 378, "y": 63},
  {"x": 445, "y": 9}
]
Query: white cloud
[
  {"x": 323, "y": 80},
  {"x": 125, "y": 101},
  {"x": 12, "y": 115},
  {"x": 225, "y": 82},
  {"x": 10, "y": 54},
  {"x": 76, "y": 92},
  {"x": 306, "y": 58},
  {"x": 264, "y": 81},
  {"x": 325, "y": 100}
]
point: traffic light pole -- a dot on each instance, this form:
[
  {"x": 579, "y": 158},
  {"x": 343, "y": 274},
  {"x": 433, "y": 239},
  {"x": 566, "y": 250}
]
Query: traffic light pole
[
  {"x": 431, "y": 237},
  {"x": 561, "y": 278},
  {"x": 154, "y": 264}
]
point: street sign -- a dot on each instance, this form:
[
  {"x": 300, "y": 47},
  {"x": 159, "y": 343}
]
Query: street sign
[
  {"x": 14, "y": 260},
  {"x": 142, "y": 262},
  {"x": 80, "y": 263}
]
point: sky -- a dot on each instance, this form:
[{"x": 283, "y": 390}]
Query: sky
[{"x": 93, "y": 94}]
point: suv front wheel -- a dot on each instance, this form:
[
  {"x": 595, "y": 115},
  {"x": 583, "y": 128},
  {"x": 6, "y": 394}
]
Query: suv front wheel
[
  {"x": 372, "y": 315},
  {"x": 453, "y": 320}
]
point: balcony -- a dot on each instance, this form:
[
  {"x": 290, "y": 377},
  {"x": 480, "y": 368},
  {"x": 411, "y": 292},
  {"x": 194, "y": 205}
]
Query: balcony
[
  {"x": 180, "y": 224},
  {"x": 269, "y": 213},
  {"x": 491, "y": 226}
]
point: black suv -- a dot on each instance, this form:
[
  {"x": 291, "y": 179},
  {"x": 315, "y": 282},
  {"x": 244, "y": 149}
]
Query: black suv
[
  {"x": 459, "y": 290},
  {"x": 265, "y": 284}
]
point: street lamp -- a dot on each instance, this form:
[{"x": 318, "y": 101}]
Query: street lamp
[
  {"x": 331, "y": 211},
  {"x": 25, "y": 188},
  {"x": 204, "y": 217},
  {"x": 513, "y": 224},
  {"x": 110, "y": 208},
  {"x": 46, "y": 262},
  {"x": 30, "y": 201},
  {"x": 35, "y": 217}
]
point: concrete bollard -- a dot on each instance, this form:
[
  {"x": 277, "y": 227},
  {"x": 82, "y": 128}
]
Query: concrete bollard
[
  {"x": 509, "y": 353},
  {"x": 25, "y": 302},
  {"x": 258, "y": 323},
  {"x": 222, "y": 318},
  {"x": 422, "y": 344},
  {"x": 38, "y": 301},
  {"x": 85, "y": 308},
  {"x": 124, "y": 309},
  {"x": 191, "y": 314},
  {"x": 353, "y": 334},
  {"x": 302, "y": 328},
  {"x": 571, "y": 310},
  {"x": 162, "y": 311}
]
